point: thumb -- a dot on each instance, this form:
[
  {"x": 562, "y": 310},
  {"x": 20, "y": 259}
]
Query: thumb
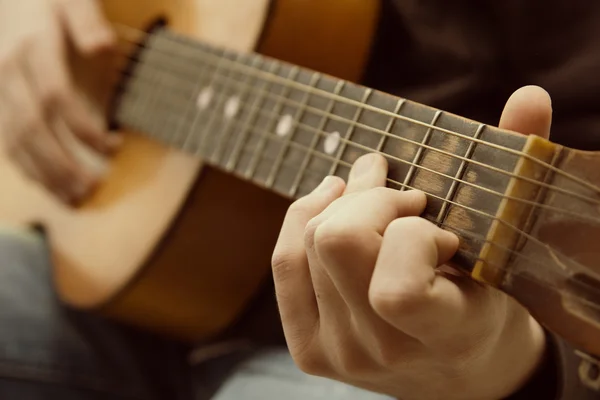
[
  {"x": 528, "y": 111},
  {"x": 87, "y": 26}
]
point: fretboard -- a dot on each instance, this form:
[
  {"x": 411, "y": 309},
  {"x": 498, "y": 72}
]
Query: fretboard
[{"x": 285, "y": 128}]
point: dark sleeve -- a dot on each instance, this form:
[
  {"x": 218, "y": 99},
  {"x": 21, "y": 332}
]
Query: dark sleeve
[
  {"x": 446, "y": 56},
  {"x": 557, "y": 378}
]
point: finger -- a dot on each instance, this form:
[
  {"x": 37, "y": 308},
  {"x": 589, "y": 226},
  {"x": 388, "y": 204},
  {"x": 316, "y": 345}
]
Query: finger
[
  {"x": 293, "y": 284},
  {"x": 528, "y": 111},
  {"x": 368, "y": 171},
  {"x": 347, "y": 243},
  {"x": 62, "y": 173},
  {"x": 48, "y": 74},
  {"x": 405, "y": 289},
  {"x": 26, "y": 165},
  {"x": 89, "y": 30},
  {"x": 55, "y": 168}
]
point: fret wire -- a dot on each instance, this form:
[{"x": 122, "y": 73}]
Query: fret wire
[
  {"x": 143, "y": 104},
  {"x": 390, "y": 124},
  {"x": 452, "y": 202},
  {"x": 263, "y": 139},
  {"x": 452, "y": 178},
  {"x": 300, "y": 110},
  {"x": 190, "y": 106},
  {"x": 432, "y": 148},
  {"x": 478, "y": 237},
  {"x": 349, "y": 132},
  {"x": 474, "y": 162},
  {"x": 420, "y": 151},
  {"x": 474, "y": 185},
  {"x": 232, "y": 162},
  {"x": 222, "y": 140},
  {"x": 520, "y": 153},
  {"x": 213, "y": 78},
  {"x": 136, "y": 105},
  {"x": 338, "y": 87},
  {"x": 150, "y": 102},
  {"x": 459, "y": 175},
  {"x": 219, "y": 102}
]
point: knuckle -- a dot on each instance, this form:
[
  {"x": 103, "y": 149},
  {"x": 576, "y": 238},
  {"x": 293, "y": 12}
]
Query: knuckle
[
  {"x": 281, "y": 263},
  {"x": 381, "y": 191},
  {"x": 407, "y": 225},
  {"x": 335, "y": 237},
  {"x": 380, "y": 194},
  {"x": 310, "y": 232},
  {"x": 299, "y": 207}
]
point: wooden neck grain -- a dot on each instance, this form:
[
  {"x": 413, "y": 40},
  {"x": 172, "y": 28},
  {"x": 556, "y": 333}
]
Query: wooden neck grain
[{"x": 285, "y": 128}]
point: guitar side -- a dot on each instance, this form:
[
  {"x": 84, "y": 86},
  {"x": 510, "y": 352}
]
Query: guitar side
[{"x": 164, "y": 243}]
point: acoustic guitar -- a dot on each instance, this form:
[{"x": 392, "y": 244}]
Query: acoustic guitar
[{"x": 234, "y": 108}]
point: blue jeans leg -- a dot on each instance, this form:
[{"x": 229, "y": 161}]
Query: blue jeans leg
[{"x": 50, "y": 352}]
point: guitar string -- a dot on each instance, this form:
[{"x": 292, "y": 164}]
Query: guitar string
[
  {"x": 419, "y": 144},
  {"x": 525, "y": 276},
  {"x": 464, "y": 233},
  {"x": 470, "y": 209},
  {"x": 420, "y": 167},
  {"x": 495, "y": 169},
  {"x": 476, "y": 211},
  {"x": 324, "y": 93},
  {"x": 529, "y": 277},
  {"x": 482, "y": 239}
]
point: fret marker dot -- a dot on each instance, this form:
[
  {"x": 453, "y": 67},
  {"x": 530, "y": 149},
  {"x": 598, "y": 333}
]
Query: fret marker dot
[
  {"x": 284, "y": 126},
  {"x": 332, "y": 141},
  {"x": 205, "y": 97},
  {"x": 232, "y": 106}
]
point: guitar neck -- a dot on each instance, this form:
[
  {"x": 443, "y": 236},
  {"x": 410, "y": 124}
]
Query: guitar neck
[{"x": 285, "y": 128}]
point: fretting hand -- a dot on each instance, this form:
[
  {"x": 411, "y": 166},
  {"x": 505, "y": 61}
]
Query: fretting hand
[
  {"x": 41, "y": 110},
  {"x": 362, "y": 299}
]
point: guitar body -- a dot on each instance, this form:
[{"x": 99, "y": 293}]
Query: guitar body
[{"x": 165, "y": 243}]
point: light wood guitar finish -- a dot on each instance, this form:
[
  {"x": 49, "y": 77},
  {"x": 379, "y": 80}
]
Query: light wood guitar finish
[{"x": 166, "y": 243}]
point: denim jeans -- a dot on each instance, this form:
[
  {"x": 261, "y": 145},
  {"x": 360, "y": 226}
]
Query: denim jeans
[{"x": 48, "y": 351}]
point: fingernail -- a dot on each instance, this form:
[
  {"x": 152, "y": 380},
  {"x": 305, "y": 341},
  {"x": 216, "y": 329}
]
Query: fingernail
[
  {"x": 327, "y": 184},
  {"x": 363, "y": 165}
]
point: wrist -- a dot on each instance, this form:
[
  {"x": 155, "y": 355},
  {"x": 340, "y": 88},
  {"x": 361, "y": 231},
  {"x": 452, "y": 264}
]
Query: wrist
[
  {"x": 543, "y": 384},
  {"x": 528, "y": 356}
]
